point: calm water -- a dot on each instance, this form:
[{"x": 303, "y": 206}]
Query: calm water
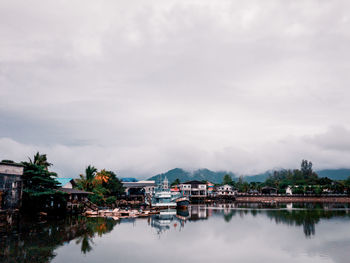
[{"x": 226, "y": 233}]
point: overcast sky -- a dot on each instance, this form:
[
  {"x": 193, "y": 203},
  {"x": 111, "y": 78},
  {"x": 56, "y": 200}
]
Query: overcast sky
[{"x": 140, "y": 87}]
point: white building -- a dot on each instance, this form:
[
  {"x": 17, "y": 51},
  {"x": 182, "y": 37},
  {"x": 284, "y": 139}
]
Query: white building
[
  {"x": 194, "y": 188},
  {"x": 225, "y": 190}
]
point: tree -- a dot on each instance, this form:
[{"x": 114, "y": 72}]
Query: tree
[
  {"x": 176, "y": 182},
  {"x": 40, "y": 186},
  {"x": 41, "y": 160},
  {"x": 306, "y": 168},
  {"x": 104, "y": 185},
  {"x": 113, "y": 185},
  {"x": 227, "y": 179},
  {"x": 86, "y": 182}
]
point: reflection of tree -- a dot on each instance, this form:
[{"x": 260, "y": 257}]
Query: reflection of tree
[
  {"x": 85, "y": 241},
  {"x": 306, "y": 218},
  {"x": 36, "y": 242},
  {"x": 306, "y": 215}
]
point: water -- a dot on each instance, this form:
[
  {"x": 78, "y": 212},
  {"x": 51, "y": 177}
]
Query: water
[{"x": 222, "y": 233}]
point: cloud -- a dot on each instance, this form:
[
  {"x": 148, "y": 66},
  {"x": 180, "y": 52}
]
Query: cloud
[
  {"x": 149, "y": 85},
  {"x": 337, "y": 138}
]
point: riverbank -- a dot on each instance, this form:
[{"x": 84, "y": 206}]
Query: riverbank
[{"x": 294, "y": 199}]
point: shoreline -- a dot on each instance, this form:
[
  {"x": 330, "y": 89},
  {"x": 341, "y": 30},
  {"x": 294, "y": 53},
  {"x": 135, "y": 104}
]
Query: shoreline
[{"x": 293, "y": 199}]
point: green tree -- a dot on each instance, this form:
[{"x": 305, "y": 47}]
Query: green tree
[
  {"x": 40, "y": 186},
  {"x": 86, "y": 182},
  {"x": 306, "y": 168},
  {"x": 41, "y": 160},
  {"x": 176, "y": 182},
  {"x": 113, "y": 185},
  {"x": 227, "y": 179}
]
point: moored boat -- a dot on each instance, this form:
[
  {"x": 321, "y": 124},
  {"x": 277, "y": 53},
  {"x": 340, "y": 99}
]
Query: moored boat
[{"x": 182, "y": 202}]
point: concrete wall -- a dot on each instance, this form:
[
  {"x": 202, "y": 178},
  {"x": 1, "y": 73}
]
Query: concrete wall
[
  {"x": 11, "y": 189},
  {"x": 289, "y": 199}
]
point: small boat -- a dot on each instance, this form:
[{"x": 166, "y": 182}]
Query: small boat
[{"x": 182, "y": 202}]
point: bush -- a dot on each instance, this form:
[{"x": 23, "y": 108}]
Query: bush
[{"x": 111, "y": 200}]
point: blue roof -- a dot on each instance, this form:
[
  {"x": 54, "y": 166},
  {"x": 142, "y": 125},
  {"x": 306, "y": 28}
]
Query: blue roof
[
  {"x": 128, "y": 179},
  {"x": 63, "y": 181}
]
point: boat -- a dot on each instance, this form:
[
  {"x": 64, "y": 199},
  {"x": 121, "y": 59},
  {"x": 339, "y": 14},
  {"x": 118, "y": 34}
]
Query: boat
[
  {"x": 163, "y": 197},
  {"x": 182, "y": 202}
]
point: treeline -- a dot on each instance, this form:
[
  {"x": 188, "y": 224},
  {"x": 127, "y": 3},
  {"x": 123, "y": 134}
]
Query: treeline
[
  {"x": 41, "y": 188},
  {"x": 301, "y": 181}
]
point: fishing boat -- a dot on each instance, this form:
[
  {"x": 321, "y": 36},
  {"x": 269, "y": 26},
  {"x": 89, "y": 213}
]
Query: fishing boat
[
  {"x": 182, "y": 202},
  {"x": 163, "y": 197}
]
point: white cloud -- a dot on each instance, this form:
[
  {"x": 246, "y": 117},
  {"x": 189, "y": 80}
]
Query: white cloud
[{"x": 145, "y": 86}]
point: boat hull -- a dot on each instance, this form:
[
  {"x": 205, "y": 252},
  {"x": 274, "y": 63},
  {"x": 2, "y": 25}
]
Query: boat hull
[{"x": 182, "y": 202}]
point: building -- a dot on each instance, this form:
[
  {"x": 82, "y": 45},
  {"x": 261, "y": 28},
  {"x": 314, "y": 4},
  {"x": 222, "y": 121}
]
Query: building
[
  {"x": 225, "y": 190},
  {"x": 267, "y": 190},
  {"x": 75, "y": 197},
  {"x": 210, "y": 188},
  {"x": 66, "y": 182},
  {"x": 194, "y": 189},
  {"x": 10, "y": 185},
  {"x": 139, "y": 187}
]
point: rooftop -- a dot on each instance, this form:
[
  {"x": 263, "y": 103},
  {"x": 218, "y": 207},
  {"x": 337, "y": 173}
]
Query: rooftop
[
  {"x": 73, "y": 191},
  {"x": 64, "y": 181}
]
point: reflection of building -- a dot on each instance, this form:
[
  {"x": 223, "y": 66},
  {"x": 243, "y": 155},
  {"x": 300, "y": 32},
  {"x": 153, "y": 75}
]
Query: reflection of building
[
  {"x": 198, "y": 212},
  {"x": 194, "y": 189},
  {"x": 10, "y": 185},
  {"x": 225, "y": 190},
  {"x": 226, "y": 207}
]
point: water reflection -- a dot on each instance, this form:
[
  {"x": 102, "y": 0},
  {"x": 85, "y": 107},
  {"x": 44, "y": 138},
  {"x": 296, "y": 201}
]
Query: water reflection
[
  {"x": 40, "y": 242},
  {"x": 36, "y": 242},
  {"x": 305, "y": 215}
]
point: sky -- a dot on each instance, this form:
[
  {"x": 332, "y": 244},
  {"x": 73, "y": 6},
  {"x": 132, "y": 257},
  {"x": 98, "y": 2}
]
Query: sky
[{"x": 141, "y": 87}]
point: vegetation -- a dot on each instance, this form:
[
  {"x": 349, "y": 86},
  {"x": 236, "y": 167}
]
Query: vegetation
[
  {"x": 40, "y": 186},
  {"x": 176, "y": 182},
  {"x": 104, "y": 185},
  {"x": 301, "y": 181},
  {"x": 41, "y": 189},
  {"x": 227, "y": 179}
]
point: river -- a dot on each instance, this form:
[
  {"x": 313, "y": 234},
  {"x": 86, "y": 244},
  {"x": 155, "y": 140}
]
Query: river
[{"x": 217, "y": 233}]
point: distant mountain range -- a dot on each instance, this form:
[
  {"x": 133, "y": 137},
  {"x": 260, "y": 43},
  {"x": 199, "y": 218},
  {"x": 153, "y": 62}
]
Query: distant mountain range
[{"x": 217, "y": 177}]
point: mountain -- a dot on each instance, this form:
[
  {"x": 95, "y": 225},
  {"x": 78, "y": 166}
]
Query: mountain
[
  {"x": 334, "y": 174},
  {"x": 217, "y": 177},
  {"x": 200, "y": 175},
  {"x": 257, "y": 177}
]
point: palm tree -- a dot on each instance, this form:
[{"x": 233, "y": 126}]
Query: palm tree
[
  {"x": 41, "y": 160},
  {"x": 86, "y": 181}
]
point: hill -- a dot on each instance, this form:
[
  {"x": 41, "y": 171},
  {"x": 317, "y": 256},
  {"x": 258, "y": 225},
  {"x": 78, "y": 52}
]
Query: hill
[
  {"x": 200, "y": 175},
  {"x": 334, "y": 174},
  {"x": 217, "y": 177}
]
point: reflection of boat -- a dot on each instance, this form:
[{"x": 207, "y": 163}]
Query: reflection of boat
[
  {"x": 163, "y": 220},
  {"x": 183, "y": 214}
]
